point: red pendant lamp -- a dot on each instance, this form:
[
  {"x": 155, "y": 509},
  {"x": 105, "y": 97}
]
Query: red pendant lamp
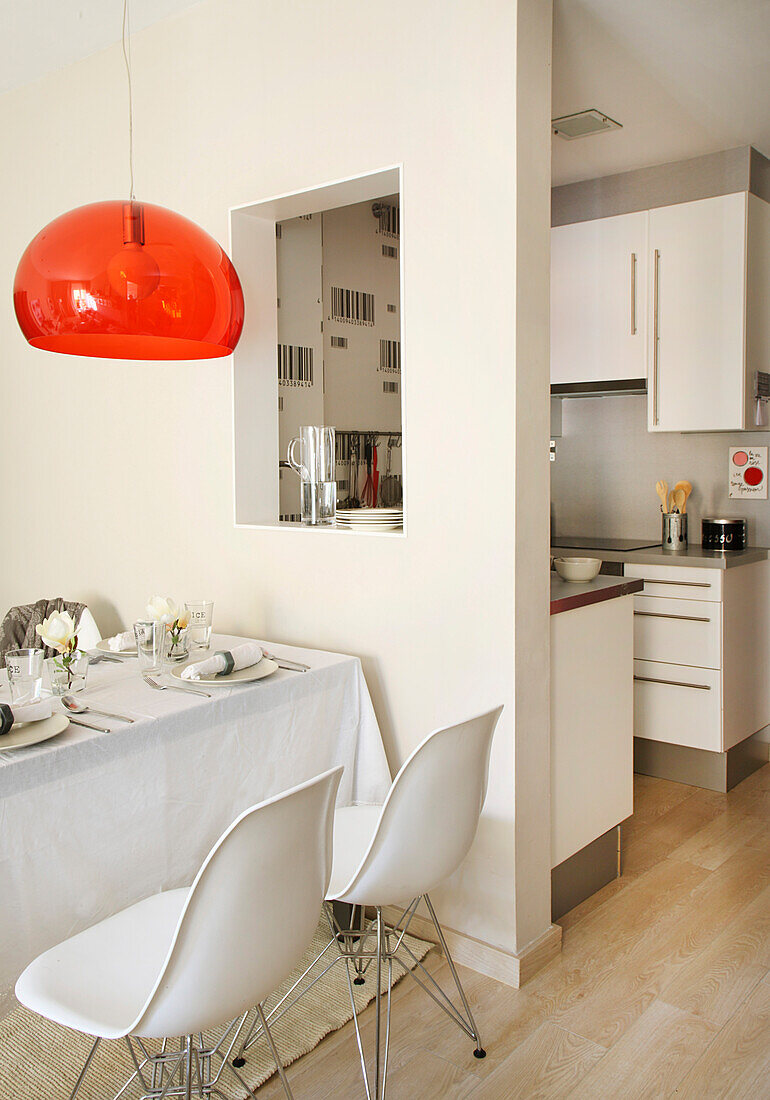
[{"x": 128, "y": 280}]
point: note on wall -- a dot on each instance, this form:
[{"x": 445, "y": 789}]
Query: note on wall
[{"x": 747, "y": 472}]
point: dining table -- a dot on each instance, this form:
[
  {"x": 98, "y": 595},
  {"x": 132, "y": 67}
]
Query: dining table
[{"x": 91, "y": 821}]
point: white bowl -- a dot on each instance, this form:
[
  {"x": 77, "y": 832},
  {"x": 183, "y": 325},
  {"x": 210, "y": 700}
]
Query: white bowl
[{"x": 578, "y": 570}]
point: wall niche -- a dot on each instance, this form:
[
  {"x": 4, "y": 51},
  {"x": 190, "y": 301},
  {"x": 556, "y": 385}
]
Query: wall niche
[{"x": 322, "y": 343}]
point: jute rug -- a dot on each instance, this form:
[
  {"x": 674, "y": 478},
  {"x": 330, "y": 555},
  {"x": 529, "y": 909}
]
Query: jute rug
[{"x": 41, "y": 1060}]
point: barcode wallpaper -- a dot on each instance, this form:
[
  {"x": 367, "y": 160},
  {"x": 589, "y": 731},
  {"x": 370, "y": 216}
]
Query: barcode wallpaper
[{"x": 339, "y": 332}]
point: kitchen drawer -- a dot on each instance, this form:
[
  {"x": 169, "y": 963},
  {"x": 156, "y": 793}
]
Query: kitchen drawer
[
  {"x": 678, "y": 704},
  {"x": 678, "y": 582},
  {"x": 678, "y": 632}
]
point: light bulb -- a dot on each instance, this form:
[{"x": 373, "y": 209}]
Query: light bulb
[{"x": 133, "y": 272}]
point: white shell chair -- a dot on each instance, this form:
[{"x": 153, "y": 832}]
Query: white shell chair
[
  {"x": 401, "y": 850},
  {"x": 183, "y": 961}
]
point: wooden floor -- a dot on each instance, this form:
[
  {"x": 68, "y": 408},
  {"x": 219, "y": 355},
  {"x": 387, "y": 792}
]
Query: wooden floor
[{"x": 662, "y": 988}]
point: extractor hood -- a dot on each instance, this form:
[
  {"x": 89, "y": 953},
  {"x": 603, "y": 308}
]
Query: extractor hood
[{"x": 621, "y": 387}]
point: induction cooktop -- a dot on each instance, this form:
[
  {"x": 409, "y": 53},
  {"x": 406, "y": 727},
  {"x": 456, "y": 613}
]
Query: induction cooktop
[{"x": 592, "y": 542}]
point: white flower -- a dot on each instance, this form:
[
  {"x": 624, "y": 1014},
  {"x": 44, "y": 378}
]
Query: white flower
[
  {"x": 57, "y": 631},
  {"x": 162, "y": 609}
]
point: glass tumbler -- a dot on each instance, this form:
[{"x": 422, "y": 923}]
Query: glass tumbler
[
  {"x": 25, "y": 674},
  {"x": 201, "y": 620},
  {"x": 150, "y": 641}
]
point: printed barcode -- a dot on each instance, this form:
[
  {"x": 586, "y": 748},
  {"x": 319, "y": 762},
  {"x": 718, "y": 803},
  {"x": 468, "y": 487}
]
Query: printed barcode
[
  {"x": 291, "y": 517},
  {"x": 295, "y": 365},
  {"x": 390, "y": 387},
  {"x": 280, "y": 404},
  {"x": 390, "y": 250},
  {"x": 391, "y": 308},
  {"x": 356, "y": 307},
  {"x": 390, "y": 356},
  {"x": 389, "y": 220},
  {"x": 339, "y": 341},
  {"x": 342, "y": 485}
]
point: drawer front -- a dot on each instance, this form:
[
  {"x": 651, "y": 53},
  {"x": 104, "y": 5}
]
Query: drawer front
[
  {"x": 678, "y": 704},
  {"x": 678, "y": 632},
  {"x": 678, "y": 582}
]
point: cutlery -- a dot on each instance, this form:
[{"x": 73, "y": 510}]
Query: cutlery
[
  {"x": 686, "y": 488},
  {"x": 661, "y": 488},
  {"x": 172, "y": 687},
  {"x": 680, "y": 499},
  {"x": 74, "y": 707},
  {"x": 96, "y": 658},
  {"x": 89, "y": 725},
  {"x": 291, "y": 666}
]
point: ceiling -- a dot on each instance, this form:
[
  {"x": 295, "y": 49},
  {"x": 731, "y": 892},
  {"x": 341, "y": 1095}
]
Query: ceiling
[
  {"x": 684, "y": 77},
  {"x": 40, "y": 36}
]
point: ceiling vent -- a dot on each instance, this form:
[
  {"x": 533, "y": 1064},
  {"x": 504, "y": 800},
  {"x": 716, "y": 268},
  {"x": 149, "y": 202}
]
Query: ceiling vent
[{"x": 583, "y": 124}]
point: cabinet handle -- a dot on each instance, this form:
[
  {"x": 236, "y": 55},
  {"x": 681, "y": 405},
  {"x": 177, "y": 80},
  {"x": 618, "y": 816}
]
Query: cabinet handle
[
  {"x": 633, "y": 294},
  {"x": 673, "y": 683},
  {"x": 681, "y": 584},
  {"x": 661, "y": 615},
  {"x": 655, "y": 338}
]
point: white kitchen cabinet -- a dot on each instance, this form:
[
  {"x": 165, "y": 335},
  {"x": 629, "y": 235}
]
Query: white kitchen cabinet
[
  {"x": 598, "y": 300},
  {"x": 709, "y": 278},
  {"x": 701, "y": 654}
]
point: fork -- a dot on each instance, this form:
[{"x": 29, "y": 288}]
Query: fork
[{"x": 172, "y": 687}]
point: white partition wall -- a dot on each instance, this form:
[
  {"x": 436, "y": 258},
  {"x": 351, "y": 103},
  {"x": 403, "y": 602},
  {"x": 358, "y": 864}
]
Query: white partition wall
[{"x": 235, "y": 101}]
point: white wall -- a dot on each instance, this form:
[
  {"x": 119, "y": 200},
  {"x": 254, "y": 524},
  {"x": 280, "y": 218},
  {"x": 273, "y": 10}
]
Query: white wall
[{"x": 117, "y": 478}]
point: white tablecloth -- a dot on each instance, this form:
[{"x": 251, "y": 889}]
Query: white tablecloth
[{"x": 91, "y": 822}]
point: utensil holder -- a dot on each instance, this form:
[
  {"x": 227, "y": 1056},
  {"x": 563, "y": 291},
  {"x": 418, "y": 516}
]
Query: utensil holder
[{"x": 674, "y": 536}]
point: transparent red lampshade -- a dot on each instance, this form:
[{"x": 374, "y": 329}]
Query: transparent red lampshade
[{"x": 128, "y": 280}]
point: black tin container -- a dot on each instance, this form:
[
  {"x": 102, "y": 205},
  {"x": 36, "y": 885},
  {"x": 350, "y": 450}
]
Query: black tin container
[{"x": 724, "y": 534}]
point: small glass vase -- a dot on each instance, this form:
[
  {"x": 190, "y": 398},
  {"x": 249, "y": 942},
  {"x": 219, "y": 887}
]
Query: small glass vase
[
  {"x": 177, "y": 645},
  {"x": 68, "y": 673}
]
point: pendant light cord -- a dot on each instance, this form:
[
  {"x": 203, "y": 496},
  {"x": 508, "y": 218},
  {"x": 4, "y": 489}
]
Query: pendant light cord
[{"x": 127, "y": 58}]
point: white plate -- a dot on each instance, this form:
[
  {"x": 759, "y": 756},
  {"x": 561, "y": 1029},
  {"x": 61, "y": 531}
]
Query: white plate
[
  {"x": 32, "y": 733},
  {"x": 258, "y": 671},
  {"x": 392, "y": 526},
  {"x": 104, "y": 647},
  {"x": 369, "y": 513}
]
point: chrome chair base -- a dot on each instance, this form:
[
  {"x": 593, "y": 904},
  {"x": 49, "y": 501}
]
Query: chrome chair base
[
  {"x": 191, "y": 1068},
  {"x": 374, "y": 941}
]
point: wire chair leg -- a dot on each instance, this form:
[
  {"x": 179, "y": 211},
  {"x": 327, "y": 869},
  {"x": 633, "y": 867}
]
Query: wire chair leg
[
  {"x": 84, "y": 1070},
  {"x": 188, "y": 1068},
  {"x": 279, "y": 1064},
  {"x": 479, "y": 1052},
  {"x": 378, "y": 1010}
]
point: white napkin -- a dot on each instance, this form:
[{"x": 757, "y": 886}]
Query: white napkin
[
  {"x": 32, "y": 712},
  {"x": 121, "y": 642},
  {"x": 243, "y": 657}
]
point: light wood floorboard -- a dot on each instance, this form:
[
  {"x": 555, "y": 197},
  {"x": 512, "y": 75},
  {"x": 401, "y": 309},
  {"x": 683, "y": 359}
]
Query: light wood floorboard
[{"x": 662, "y": 989}]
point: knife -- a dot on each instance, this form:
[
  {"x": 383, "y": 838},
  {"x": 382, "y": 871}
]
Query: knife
[{"x": 88, "y": 725}]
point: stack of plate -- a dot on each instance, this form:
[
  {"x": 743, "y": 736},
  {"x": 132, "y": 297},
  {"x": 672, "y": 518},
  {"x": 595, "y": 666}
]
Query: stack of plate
[{"x": 370, "y": 519}]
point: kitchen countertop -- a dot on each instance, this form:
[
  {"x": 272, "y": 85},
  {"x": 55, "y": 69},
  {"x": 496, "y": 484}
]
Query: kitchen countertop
[
  {"x": 566, "y": 596},
  {"x": 694, "y": 555}
]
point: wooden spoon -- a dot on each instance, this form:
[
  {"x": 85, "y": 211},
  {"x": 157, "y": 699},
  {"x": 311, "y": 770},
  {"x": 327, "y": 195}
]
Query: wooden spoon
[
  {"x": 686, "y": 488},
  {"x": 661, "y": 488},
  {"x": 679, "y": 499}
]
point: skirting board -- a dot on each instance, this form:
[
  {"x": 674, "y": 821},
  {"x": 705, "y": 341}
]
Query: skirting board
[
  {"x": 493, "y": 962},
  {"x": 715, "y": 771}
]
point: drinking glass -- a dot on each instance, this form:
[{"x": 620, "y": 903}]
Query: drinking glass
[
  {"x": 25, "y": 674},
  {"x": 150, "y": 641},
  {"x": 201, "y": 619}
]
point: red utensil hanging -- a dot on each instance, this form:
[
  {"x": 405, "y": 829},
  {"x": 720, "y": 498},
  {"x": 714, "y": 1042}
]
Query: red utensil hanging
[{"x": 375, "y": 475}]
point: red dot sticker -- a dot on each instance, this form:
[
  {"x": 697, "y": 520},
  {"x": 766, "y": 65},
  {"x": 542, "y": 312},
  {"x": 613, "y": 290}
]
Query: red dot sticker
[
  {"x": 740, "y": 458},
  {"x": 753, "y": 476}
]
